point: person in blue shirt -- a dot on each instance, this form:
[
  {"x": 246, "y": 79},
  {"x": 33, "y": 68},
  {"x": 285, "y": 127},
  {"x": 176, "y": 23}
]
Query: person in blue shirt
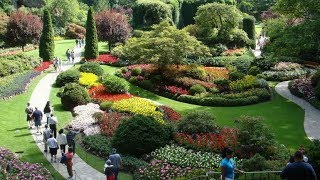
[
  {"x": 298, "y": 170},
  {"x": 227, "y": 165}
]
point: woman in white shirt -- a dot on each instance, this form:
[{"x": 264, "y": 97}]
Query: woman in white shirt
[
  {"x": 53, "y": 147},
  {"x": 62, "y": 141}
]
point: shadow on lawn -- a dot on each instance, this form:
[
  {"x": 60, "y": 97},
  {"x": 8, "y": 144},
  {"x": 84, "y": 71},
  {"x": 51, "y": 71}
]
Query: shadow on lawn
[
  {"x": 18, "y": 129},
  {"x": 137, "y": 91},
  {"x": 22, "y": 135}
]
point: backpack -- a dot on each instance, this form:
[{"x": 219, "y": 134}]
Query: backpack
[
  {"x": 63, "y": 159},
  {"x": 70, "y": 137}
]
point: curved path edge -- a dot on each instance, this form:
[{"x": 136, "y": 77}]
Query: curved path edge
[
  {"x": 311, "y": 116},
  {"x": 39, "y": 97}
]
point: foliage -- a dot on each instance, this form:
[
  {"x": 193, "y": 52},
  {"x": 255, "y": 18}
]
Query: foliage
[
  {"x": 249, "y": 28},
  {"x": 16, "y": 84},
  {"x": 91, "y": 47},
  {"x": 75, "y": 31},
  {"x": 68, "y": 76},
  {"x": 91, "y": 67},
  {"x": 140, "y": 135},
  {"x": 254, "y": 137},
  {"x": 313, "y": 155},
  {"x": 248, "y": 82},
  {"x": 106, "y": 105},
  {"x": 4, "y": 19},
  {"x": 284, "y": 75},
  {"x": 97, "y": 144},
  {"x": 255, "y": 7},
  {"x": 317, "y": 91},
  {"x": 22, "y": 29},
  {"x": 112, "y": 27},
  {"x": 88, "y": 79},
  {"x": 254, "y": 70},
  {"x": 132, "y": 164},
  {"x": 197, "y": 89},
  {"x": 236, "y": 75},
  {"x": 116, "y": 85},
  {"x": 163, "y": 46},
  {"x": 16, "y": 64},
  {"x": 198, "y": 122},
  {"x": 315, "y": 79},
  {"x": 46, "y": 46},
  {"x": 109, "y": 122},
  {"x": 256, "y": 163},
  {"x": 74, "y": 95},
  {"x": 170, "y": 114},
  {"x": 188, "y": 82},
  {"x": 139, "y": 106},
  {"x": 99, "y": 94},
  {"x": 196, "y": 72}
]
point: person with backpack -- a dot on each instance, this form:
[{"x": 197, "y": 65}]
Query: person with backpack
[
  {"x": 29, "y": 111},
  {"x": 47, "y": 110},
  {"x": 68, "y": 162},
  {"x": 71, "y": 139},
  {"x": 46, "y": 136},
  {"x": 53, "y": 147},
  {"x": 62, "y": 141},
  {"x": 116, "y": 161},
  {"x": 52, "y": 121},
  {"x": 109, "y": 170}
]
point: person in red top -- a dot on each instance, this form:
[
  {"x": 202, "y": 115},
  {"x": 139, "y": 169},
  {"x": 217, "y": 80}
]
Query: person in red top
[{"x": 69, "y": 163}]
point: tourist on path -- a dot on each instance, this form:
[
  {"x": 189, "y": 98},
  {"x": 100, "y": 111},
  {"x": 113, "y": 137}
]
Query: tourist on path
[
  {"x": 71, "y": 135},
  {"x": 47, "y": 110},
  {"x": 72, "y": 56},
  {"x": 69, "y": 163},
  {"x": 53, "y": 147},
  {"x": 53, "y": 125},
  {"x": 46, "y": 136},
  {"x": 298, "y": 170},
  {"x": 227, "y": 165},
  {"x": 37, "y": 115},
  {"x": 29, "y": 111},
  {"x": 109, "y": 170},
  {"x": 59, "y": 65},
  {"x": 62, "y": 141},
  {"x": 116, "y": 161},
  {"x": 68, "y": 54}
]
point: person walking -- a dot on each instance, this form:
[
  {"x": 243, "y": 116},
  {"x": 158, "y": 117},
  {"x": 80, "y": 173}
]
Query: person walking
[
  {"x": 227, "y": 165},
  {"x": 71, "y": 139},
  {"x": 72, "y": 56},
  {"x": 69, "y": 163},
  {"x": 29, "y": 111},
  {"x": 68, "y": 54},
  {"x": 109, "y": 170},
  {"x": 53, "y": 125},
  {"x": 62, "y": 141},
  {"x": 37, "y": 116},
  {"x": 298, "y": 169},
  {"x": 46, "y": 136},
  {"x": 116, "y": 161},
  {"x": 59, "y": 65},
  {"x": 47, "y": 110},
  {"x": 53, "y": 147}
]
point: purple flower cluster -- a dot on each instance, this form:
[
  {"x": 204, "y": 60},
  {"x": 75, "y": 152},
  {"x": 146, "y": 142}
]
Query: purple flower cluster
[
  {"x": 19, "y": 169},
  {"x": 162, "y": 170},
  {"x": 302, "y": 87}
]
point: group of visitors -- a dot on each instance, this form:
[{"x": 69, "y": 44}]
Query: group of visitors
[
  {"x": 70, "y": 55},
  {"x": 34, "y": 117},
  {"x": 112, "y": 165},
  {"x": 80, "y": 42}
]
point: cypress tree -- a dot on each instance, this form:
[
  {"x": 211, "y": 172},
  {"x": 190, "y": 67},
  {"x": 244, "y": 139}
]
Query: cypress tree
[
  {"x": 46, "y": 46},
  {"x": 91, "y": 48},
  {"x": 249, "y": 28}
]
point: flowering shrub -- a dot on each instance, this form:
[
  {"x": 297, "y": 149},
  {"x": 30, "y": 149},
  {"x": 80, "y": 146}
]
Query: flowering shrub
[
  {"x": 180, "y": 156},
  {"x": 302, "y": 87},
  {"x": 105, "y": 59},
  {"x": 234, "y": 52},
  {"x": 140, "y": 106},
  {"x": 217, "y": 73},
  {"x": 21, "y": 170},
  {"x": 175, "y": 90},
  {"x": 284, "y": 75},
  {"x": 286, "y": 66},
  {"x": 188, "y": 82},
  {"x": 209, "y": 141},
  {"x": 170, "y": 114},
  {"x": 109, "y": 122},
  {"x": 247, "y": 82},
  {"x": 88, "y": 79},
  {"x": 43, "y": 66},
  {"x": 99, "y": 93},
  {"x": 161, "y": 170}
]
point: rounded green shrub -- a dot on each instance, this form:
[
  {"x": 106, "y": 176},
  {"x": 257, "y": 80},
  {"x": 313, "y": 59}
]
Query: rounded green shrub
[
  {"x": 146, "y": 84},
  {"x": 315, "y": 79},
  {"x": 91, "y": 67},
  {"x": 317, "y": 91},
  {"x": 98, "y": 144},
  {"x": 106, "y": 105},
  {"x": 198, "y": 122},
  {"x": 69, "y": 76},
  {"x": 236, "y": 75},
  {"x": 136, "y": 71},
  {"x": 74, "y": 95},
  {"x": 196, "y": 72},
  {"x": 197, "y": 89},
  {"x": 254, "y": 70},
  {"x": 140, "y": 135},
  {"x": 114, "y": 84}
]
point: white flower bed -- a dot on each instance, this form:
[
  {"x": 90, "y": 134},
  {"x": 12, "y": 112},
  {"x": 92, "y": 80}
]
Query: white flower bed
[{"x": 84, "y": 119}]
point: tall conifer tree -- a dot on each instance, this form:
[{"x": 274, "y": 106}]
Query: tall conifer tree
[
  {"x": 91, "y": 48},
  {"x": 46, "y": 47}
]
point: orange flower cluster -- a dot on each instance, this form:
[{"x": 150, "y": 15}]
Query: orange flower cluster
[
  {"x": 217, "y": 72},
  {"x": 99, "y": 93}
]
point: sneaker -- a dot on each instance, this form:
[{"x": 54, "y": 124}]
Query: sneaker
[{"x": 70, "y": 177}]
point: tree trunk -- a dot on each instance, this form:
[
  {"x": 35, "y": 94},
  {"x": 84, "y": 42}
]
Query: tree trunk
[{"x": 23, "y": 48}]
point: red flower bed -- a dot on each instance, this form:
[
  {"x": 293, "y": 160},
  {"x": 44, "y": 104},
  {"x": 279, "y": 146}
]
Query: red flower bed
[
  {"x": 209, "y": 141},
  {"x": 176, "y": 90},
  {"x": 109, "y": 122},
  {"x": 43, "y": 66},
  {"x": 105, "y": 59},
  {"x": 99, "y": 93},
  {"x": 170, "y": 114}
]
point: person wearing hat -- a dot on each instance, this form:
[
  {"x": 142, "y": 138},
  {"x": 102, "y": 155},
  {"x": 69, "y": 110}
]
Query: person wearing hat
[
  {"x": 109, "y": 170},
  {"x": 115, "y": 159}
]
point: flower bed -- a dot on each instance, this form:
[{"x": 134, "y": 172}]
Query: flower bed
[
  {"x": 170, "y": 114},
  {"x": 109, "y": 122},
  {"x": 20, "y": 170},
  {"x": 88, "y": 79},
  {"x": 188, "y": 82},
  {"x": 234, "y": 52},
  {"x": 43, "y": 66},
  {"x": 140, "y": 106},
  {"x": 175, "y": 90},
  {"x": 99, "y": 93},
  {"x": 217, "y": 73},
  {"x": 16, "y": 84},
  {"x": 105, "y": 59}
]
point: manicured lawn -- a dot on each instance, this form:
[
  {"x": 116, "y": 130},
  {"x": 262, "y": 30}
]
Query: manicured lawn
[
  {"x": 258, "y": 28},
  {"x": 14, "y": 134}
]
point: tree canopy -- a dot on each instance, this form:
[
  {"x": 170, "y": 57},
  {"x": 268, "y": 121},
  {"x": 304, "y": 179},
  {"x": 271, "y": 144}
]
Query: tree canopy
[
  {"x": 46, "y": 47},
  {"x": 91, "y": 47}
]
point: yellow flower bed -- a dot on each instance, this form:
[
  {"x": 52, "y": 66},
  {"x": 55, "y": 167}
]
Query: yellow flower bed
[
  {"x": 88, "y": 79},
  {"x": 138, "y": 106}
]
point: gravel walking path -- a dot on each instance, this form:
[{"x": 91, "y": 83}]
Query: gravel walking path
[
  {"x": 311, "y": 116},
  {"x": 39, "y": 97}
]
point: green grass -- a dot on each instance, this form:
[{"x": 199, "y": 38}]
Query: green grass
[
  {"x": 14, "y": 134},
  {"x": 258, "y": 28},
  {"x": 61, "y": 47}
]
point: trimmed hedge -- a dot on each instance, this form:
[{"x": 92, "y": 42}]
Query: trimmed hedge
[
  {"x": 69, "y": 76},
  {"x": 97, "y": 144},
  {"x": 248, "y": 24},
  {"x": 91, "y": 67},
  {"x": 114, "y": 84},
  {"x": 16, "y": 64},
  {"x": 74, "y": 95}
]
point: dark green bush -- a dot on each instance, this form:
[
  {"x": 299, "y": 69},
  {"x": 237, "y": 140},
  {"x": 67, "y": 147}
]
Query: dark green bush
[
  {"x": 314, "y": 155},
  {"x": 146, "y": 84},
  {"x": 106, "y": 105},
  {"x": 256, "y": 163},
  {"x": 254, "y": 70},
  {"x": 196, "y": 72},
  {"x": 197, "y": 89},
  {"x": 69, "y": 76},
  {"x": 91, "y": 67},
  {"x": 198, "y": 122},
  {"x": 236, "y": 75},
  {"x": 265, "y": 63},
  {"x": 317, "y": 91},
  {"x": 114, "y": 84},
  {"x": 140, "y": 135},
  {"x": 136, "y": 71},
  {"x": 16, "y": 64},
  {"x": 97, "y": 144},
  {"x": 74, "y": 95},
  {"x": 132, "y": 164},
  {"x": 248, "y": 24},
  {"x": 315, "y": 79},
  {"x": 243, "y": 63}
]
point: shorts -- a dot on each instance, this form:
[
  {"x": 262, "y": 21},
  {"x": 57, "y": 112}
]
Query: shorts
[
  {"x": 53, "y": 151},
  {"x": 37, "y": 122}
]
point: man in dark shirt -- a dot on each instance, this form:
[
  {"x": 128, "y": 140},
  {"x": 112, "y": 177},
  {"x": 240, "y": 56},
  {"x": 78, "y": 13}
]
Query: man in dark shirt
[
  {"x": 298, "y": 170},
  {"x": 37, "y": 115}
]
